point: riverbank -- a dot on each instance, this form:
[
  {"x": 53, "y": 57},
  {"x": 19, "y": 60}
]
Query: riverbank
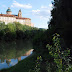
[{"x": 24, "y": 65}]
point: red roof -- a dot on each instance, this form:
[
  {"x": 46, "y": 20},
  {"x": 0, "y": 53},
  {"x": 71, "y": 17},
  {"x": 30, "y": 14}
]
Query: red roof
[
  {"x": 6, "y": 15},
  {"x": 22, "y": 18}
]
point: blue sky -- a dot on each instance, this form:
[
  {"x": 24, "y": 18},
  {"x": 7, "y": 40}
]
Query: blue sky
[{"x": 37, "y": 10}]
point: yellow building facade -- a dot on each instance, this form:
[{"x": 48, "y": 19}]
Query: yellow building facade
[{"x": 9, "y": 18}]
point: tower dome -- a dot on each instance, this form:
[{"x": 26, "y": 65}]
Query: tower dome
[{"x": 9, "y": 11}]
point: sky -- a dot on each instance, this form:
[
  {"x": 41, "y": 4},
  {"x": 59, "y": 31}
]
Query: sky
[{"x": 37, "y": 10}]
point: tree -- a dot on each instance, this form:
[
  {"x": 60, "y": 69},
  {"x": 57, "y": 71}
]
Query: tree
[{"x": 61, "y": 21}]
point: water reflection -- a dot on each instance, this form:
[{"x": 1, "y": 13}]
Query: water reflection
[{"x": 13, "y": 52}]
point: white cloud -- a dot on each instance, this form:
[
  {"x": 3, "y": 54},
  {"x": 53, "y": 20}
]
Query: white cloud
[
  {"x": 50, "y": 5},
  {"x": 16, "y": 4},
  {"x": 43, "y": 7},
  {"x": 36, "y": 11},
  {"x": 43, "y": 12}
]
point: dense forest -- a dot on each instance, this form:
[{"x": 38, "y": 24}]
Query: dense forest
[{"x": 52, "y": 47}]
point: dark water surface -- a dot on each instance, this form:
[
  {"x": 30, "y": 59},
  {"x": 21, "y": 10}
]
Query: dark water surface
[{"x": 13, "y": 52}]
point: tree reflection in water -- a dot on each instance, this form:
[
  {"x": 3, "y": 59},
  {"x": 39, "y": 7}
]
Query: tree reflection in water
[{"x": 12, "y": 52}]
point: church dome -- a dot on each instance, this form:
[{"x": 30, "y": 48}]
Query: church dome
[{"x": 8, "y": 10}]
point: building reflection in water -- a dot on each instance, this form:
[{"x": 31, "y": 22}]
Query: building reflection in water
[
  {"x": 13, "y": 52},
  {"x": 6, "y": 63}
]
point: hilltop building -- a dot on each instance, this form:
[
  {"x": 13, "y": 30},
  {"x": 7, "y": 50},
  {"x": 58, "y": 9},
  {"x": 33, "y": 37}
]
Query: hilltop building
[{"x": 9, "y": 18}]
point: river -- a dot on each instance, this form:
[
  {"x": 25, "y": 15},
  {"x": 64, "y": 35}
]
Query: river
[{"x": 13, "y": 52}]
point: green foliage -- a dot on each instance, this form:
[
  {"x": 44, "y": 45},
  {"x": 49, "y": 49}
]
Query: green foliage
[
  {"x": 2, "y": 25},
  {"x": 11, "y": 27},
  {"x": 39, "y": 40},
  {"x": 18, "y": 26},
  {"x": 61, "y": 57},
  {"x": 38, "y": 65},
  {"x": 1, "y": 34},
  {"x": 13, "y": 31}
]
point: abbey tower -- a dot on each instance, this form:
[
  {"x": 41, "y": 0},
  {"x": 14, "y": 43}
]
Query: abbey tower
[{"x": 20, "y": 13}]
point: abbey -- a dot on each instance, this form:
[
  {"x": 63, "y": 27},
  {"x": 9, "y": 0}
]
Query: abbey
[{"x": 9, "y": 18}]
